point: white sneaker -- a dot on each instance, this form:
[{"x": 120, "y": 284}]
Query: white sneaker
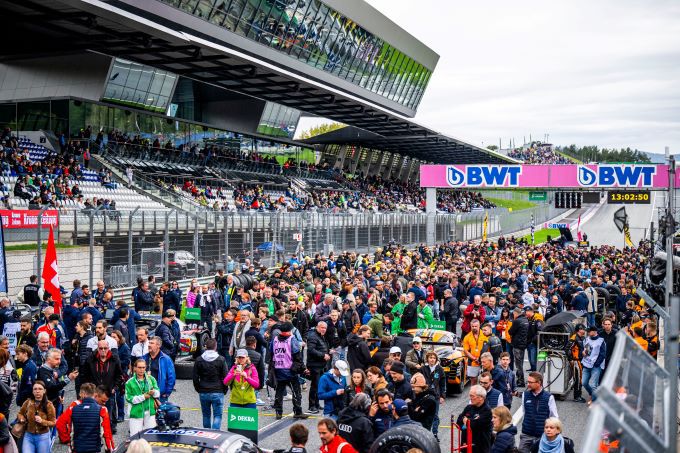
[
  {"x": 288, "y": 398},
  {"x": 259, "y": 402}
]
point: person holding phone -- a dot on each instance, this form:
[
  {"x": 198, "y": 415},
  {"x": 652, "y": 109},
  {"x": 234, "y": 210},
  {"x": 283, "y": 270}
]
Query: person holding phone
[
  {"x": 141, "y": 393},
  {"x": 243, "y": 380},
  {"x": 380, "y": 412}
]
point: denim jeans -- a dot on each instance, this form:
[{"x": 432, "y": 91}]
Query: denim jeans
[
  {"x": 36, "y": 443},
  {"x": 590, "y": 317},
  {"x": 532, "y": 351},
  {"x": 590, "y": 378},
  {"x": 435, "y": 422},
  {"x": 214, "y": 401}
]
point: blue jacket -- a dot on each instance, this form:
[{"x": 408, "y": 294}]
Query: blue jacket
[
  {"x": 164, "y": 332},
  {"x": 166, "y": 373},
  {"x": 504, "y": 381},
  {"x": 328, "y": 388},
  {"x": 124, "y": 356},
  {"x": 25, "y": 389},
  {"x": 505, "y": 440},
  {"x": 171, "y": 300},
  {"x": 71, "y": 317},
  {"x": 94, "y": 311},
  {"x": 133, "y": 316},
  {"x": 86, "y": 419},
  {"x": 580, "y": 302}
]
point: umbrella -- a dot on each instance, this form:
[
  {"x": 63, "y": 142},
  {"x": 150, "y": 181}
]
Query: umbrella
[{"x": 267, "y": 247}]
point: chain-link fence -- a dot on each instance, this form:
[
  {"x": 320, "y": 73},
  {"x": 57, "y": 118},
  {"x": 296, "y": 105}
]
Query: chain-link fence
[{"x": 120, "y": 246}]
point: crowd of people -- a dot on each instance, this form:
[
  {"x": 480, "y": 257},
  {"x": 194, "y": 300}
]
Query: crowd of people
[
  {"x": 539, "y": 154},
  {"x": 346, "y": 328}
]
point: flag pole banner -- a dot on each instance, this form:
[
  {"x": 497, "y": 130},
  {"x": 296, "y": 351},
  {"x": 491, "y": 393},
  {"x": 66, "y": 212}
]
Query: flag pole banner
[
  {"x": 602, "y": 176},
  {"x": 485, "y": 226},
  {"x": 50, "y": 272},
  {"x": 3, "y": 261}
]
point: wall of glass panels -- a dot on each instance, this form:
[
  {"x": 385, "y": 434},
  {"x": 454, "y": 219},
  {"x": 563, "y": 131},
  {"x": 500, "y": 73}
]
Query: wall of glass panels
[
  {"x": 321, "y": 37},
  {"x": 151, "y": 127},
  {"x": 139, "y": 86},
  {"x": 278, "y": 120}
]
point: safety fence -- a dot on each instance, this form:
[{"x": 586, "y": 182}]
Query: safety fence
[{"x": 120, "y": 246}]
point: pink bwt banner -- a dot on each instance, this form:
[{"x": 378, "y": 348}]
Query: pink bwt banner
[{"x": 602, "y": 176}]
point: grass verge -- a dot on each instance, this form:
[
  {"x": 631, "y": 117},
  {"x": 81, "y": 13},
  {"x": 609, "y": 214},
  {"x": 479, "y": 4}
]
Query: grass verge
[
  {"x": 515, "y": 205},
  {"x": 541, "y": 236},
  {"x": 22, "y": 247}
]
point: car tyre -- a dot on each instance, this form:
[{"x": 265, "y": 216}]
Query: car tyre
[
  {"x": 184, "y": 368},
  {"x": 200, "y": 346},
  {"x": 403, "y": 439}
]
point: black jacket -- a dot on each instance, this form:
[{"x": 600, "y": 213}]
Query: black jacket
[
  {"x": 436, "y": 379},
  {"x": 256, "y": 359},
  {"x": 568, "y": 445},
  {"x": 164, "y": 332},
  {"x": 53, "y": 386},
  {"x": 480, "y": 425},
  {"x": 336, "y": 334},
  {"x": 351, "y": 392},
  {"x": 301, "y": 323},
  {"x": 358, "y": 355},
  {"x": 109, "y": 374},
  {"x": 423, "y": 408},
  {"x": 409, "y": 317},
  {"x": 317, "y": 347},
  {"x": 210, "y": 369},
  {"x": 355, "y": 427},
  {"x": 401, "y": 390},
  {"x": 451, "y": 310},
  {"x": 519, "y": 331},
  {"x": 379, "y": 356}
]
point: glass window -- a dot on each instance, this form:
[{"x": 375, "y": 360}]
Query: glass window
[
  {"x": 317, "y": 35},
  {"x": 139, "y": 86},
  {"x": 405, "y": 77}
]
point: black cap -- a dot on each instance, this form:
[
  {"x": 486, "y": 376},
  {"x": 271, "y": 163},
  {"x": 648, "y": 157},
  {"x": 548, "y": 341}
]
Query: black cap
[
  {"x": 53, "y": 317},
  {"x": 592, "y": 329},
  {"x": 286, "y": 327},
  {"x": 580, "y": 327},
  {"x": 397, "y": 367}
]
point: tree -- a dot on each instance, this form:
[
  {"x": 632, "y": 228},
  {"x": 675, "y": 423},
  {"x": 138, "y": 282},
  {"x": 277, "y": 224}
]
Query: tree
[
  {"x": 320, "y": 129},
  {"x": 492, "y": 147},
  {"x": 595, "y": 154}
]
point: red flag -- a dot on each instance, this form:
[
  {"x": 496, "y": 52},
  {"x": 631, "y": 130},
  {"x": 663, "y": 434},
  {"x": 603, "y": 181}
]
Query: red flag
[
  {"x": 50, "y": 273},
  {"x": 578, "y": 228}
]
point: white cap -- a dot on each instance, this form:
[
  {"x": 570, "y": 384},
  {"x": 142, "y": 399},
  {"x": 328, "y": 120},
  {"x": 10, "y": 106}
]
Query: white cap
[
  {"x": 395, "y": 350},
  {"x": 417, "y": 340},
  {"x": 342, "y": 367}
]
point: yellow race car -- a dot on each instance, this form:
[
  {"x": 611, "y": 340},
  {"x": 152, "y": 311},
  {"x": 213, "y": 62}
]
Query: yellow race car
[{"x": 450, "y": 354}]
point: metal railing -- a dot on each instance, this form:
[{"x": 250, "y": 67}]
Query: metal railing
[{"x": 114, "y": 245}]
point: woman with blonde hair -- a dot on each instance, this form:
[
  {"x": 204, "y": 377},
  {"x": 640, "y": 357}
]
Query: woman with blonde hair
[
  {"x": 552, "y": 440},
  {"x": 505, "y": 430},
  {"x": 242, "y": 379},
  {"x": 139, "y": 446}
]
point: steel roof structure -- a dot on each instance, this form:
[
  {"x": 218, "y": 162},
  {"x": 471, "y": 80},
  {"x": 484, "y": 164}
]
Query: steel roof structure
[{"x": 58, "y": 27}]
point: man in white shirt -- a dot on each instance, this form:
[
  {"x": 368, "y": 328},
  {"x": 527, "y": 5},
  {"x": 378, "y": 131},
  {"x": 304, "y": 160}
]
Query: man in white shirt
[
  {"x": 141, "y": 348},
  {"x": 100, "y": 334}
]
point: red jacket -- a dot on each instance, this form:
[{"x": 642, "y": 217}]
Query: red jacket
[
  {"x": 338, "y": 445},
  {"x": 469, "y": 316},
  {"x": 64, "y": 425}
]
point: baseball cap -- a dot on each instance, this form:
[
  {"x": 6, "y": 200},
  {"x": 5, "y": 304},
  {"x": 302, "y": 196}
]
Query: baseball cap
[
  {"x": 400, "y": 406},
  {"x": 342, "y": 367},
  {"x": 395, "y": 350},
  {"x": 417, "y": 340},
  {"x": 241, "y": 353},
  {"x": 592, "y": 329}
]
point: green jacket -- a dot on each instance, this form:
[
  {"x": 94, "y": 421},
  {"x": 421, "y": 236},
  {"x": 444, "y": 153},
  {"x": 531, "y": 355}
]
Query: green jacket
[
  {"x": 425, "y": 321},
  {"x": 376, "y": 325},
  {"x": 397, "y": 310},
  {"x": 134, "y": 391}
]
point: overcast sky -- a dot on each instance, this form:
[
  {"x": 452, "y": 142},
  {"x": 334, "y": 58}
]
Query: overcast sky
[{"x": 604, "y": 72}]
